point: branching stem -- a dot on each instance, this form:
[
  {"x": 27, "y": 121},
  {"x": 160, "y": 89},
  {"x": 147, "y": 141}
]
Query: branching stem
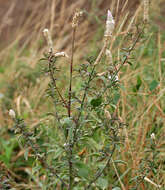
[
  {"x": 69, "y": 112},
  {"x": 54, "y": 83}
]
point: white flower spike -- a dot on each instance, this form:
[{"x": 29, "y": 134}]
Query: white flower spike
[
  {"x": 48, "y": 39},
  {"x": 110, "y": 24}
]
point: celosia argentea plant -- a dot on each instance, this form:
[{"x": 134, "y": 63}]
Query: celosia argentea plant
[{"x": 88, "y": 130}]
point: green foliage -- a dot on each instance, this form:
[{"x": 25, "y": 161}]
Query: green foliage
[
  {"x": 138, "y": 84},
  {"x": 96, "y": 102},
  {"x": 153, "y": 85}
]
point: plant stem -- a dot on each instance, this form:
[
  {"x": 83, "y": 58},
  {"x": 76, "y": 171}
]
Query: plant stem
[
  {"x": 69, "y": 112},
  {"x": 71, "y": 72},
  {"x": 54, "y": 82},
  {"x": 82, "y": 103},
  {"x": 70, "y": 169},
  {"x": 121, "y": 183}
]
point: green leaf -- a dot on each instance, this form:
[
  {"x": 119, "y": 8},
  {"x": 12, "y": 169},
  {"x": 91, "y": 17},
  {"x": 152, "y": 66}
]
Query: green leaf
[
  {"x": 123, "y": 175},
  {"x": 102, "y": 183},
  {"x": 139, "y": 83},
  {"x": 26, "y": 154},
  {"x": 90, "y": 142},
  {"x": 91, "y": 59},
  {"x": 68, "y": 126},
  {"x": 78, "y": 188},
  {"x": 95, "y": 102},
  {"x": 58, "y": 153},
  {"x": 83, "y": 172},
  {"x": 44, "y": 61},
  {"x": 153, "y": 85},
  {"x": 36, "y": 168},
  {"x": 83, "y": 169},
  {"x": 129, "y": 63},
  {"x": 67, "y": 121},
  {"x": 116, "y": 188},
  {"x": 71, "y": 129},
  {"x": 120, "y": 161}
]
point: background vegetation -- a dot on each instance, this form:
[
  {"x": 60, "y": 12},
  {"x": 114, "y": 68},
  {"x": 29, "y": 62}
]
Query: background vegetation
[{"x": 140, "y": 104}]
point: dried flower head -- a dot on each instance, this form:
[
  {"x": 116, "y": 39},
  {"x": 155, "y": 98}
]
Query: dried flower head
[
  {"x": 110, "y": 24},
  {"x": 146, "y": 10},
  {"x": 76, "y": 17},
  {"x": 12, "y": 113},
  {"x": 48, "y": 39}
]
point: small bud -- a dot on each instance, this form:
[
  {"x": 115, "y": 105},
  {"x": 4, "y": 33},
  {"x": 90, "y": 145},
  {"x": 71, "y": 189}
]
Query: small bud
[
  {"x": 107, "y": 114},
  {"x": 12, "y": 113},
  {"x": 109, "y": 56},
  {"x": 77, "y": 179},
  {"x": 153, "y": 136},
  {"x": 66, "y": 145},
  {"x": 110, "y": 23},
  {"x": 116, "y": 78}
]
